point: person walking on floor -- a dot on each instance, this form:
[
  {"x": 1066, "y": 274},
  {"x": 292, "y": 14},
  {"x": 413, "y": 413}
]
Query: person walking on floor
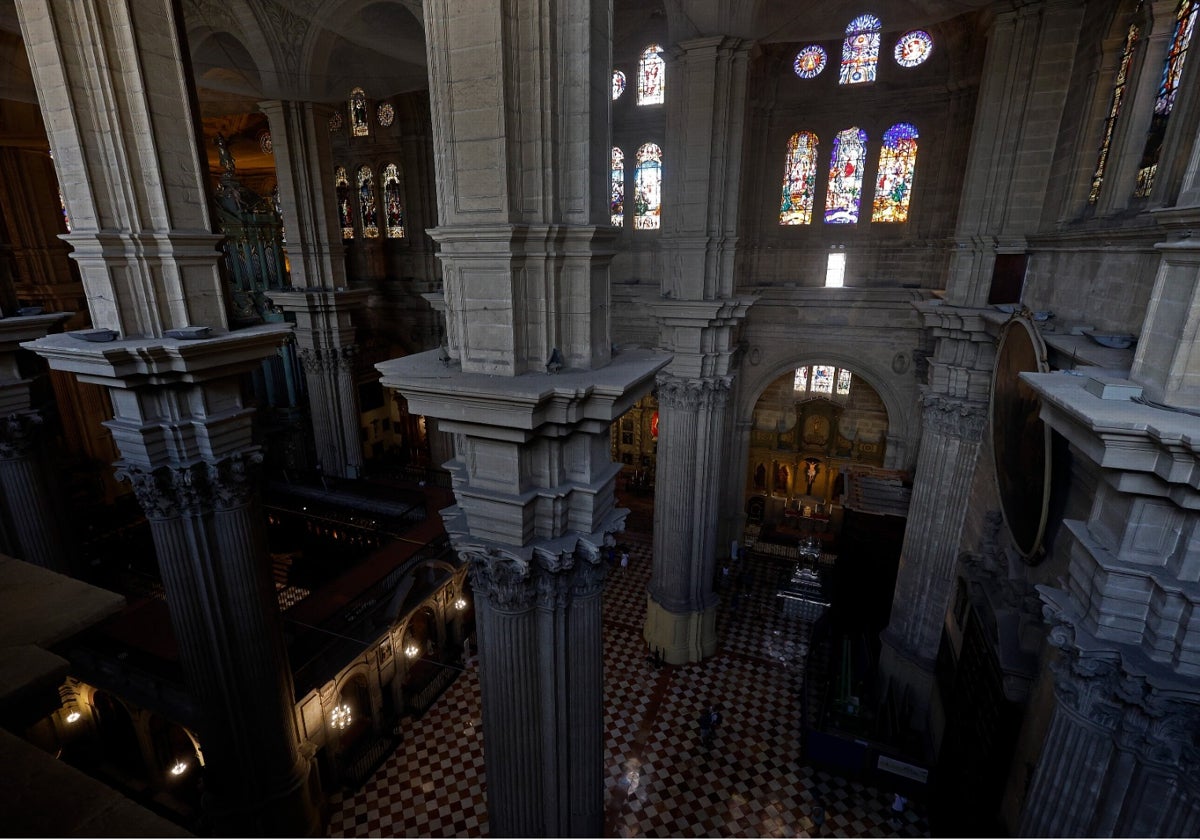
[{"x": 710, "y": 719}]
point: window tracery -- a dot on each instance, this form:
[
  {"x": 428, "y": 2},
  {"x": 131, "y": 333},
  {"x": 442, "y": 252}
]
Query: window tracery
[{"x": 860, "y": 51}]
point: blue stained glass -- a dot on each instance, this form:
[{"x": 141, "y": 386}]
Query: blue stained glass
[
  {"x": 860, "y": 51},
  {"x": 647, "y": 184},
  {"x": 845, "y": 177},
  {"x": 893, "y": 182}
]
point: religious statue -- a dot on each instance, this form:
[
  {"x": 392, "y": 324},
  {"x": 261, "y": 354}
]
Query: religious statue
[
  {"x": 811, "y": 468},
  {"x": 222, "y": 144}
]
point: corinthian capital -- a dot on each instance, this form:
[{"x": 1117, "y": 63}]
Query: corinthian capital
[
  {"x": 692, "y": 394},
  {"x": 547, "y": 579},
  {"x": 963, "y": 419},
  {"x": 168, "y": 491},
  {"x": 18, "y": 433}
]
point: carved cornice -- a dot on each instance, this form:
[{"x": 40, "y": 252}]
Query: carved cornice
[
  {"x": 18, "y": 434},
  {"x": 168, "y": 491},
  {"x": 954, "y": 418},
  {"x": 692, "y": 394},
  {"x": 551, "y": 580}
]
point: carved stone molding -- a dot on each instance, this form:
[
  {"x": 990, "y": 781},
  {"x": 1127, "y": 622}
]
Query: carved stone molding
[
  {"x": 169, "y": 491},
  {"x": 312, "y": 360},
  {"x": 1100, "y": 692},
  {"x": 18, "y": 434},
  {"x": 692, "y": 394},
  {"x": 549, "y": 580},
  {"x": 955, "y": 418}
]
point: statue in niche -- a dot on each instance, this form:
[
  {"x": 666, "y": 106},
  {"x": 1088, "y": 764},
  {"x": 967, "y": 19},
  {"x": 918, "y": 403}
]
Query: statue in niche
[{"x": 781, "y": 479}]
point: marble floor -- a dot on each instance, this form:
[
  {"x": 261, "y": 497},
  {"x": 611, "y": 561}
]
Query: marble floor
[{"x": 661, "y": 780}]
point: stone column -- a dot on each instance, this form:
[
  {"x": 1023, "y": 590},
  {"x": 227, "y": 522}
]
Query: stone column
[
  {"x": 953, "y": 422},
  {"x": 119, "y": 111},
  {"x": 1119, "y": 758},
  {"x": 325, "y": 336},
  {"x": 32, "y": 528},
  {"x": 528, "y": 383}
]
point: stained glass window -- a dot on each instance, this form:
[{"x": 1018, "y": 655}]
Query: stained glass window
[
  {"x": 647, "y": 185},
  {"x": 651, "y": 76},
  {"x": 1114, "y": 108},
  {"x": 822, "y": 379},
  {"x": 800, "y": 385},
  {"x": 1185, "y": 21},
  {"x": 843, "y": 382},
  {"x": 618, "y": 84},
  {"x": 367, "y": 210},
  {"x": 799, "y": 179},
  {"x": 893, "y": 184},
  {"x": 809, "y": 62},
  {"x": 860, "y": 51},
  {"x": 913, "y": 48},
  {"x": 617, "y": 203},
  {"x": 386, "y": 114},
  {"x": 360, "y": 126},
  {"x": 266, "y": 143},
  {"x": 845, "y": 177},
  {"x": 393, "y": 206},
  {"x": 342, "y": 186}
]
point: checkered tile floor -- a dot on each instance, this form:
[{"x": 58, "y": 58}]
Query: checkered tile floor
[{"x": 661, "y": 781}]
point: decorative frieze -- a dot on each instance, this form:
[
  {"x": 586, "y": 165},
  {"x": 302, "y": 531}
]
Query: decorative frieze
[{"x": 167, "y": 492}]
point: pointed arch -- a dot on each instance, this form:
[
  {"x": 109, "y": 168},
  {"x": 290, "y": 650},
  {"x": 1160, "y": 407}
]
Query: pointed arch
[
  {"x": 367, "y": 212},
  {"x": 652, "y": 71},
  {"x": 341, "y": 185},
  {"x": 860, "y": 51},
  {"x": 617, "y": 198},
  {"x": 647, "y": 184},
  {"x": 844, "y": 194},
  {"x": 893, "y": 182},
  {"x": 393, "y": 203},
  {"x": 799, "y": 179}
]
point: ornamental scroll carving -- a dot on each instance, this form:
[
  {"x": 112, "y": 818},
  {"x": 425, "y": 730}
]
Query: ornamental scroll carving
[
  {"x": 548, "y": 580},
  {"x": 18, "y": 434},
  {"x": 955, "y": 418},
  {"x": 168, "y": 491},
  {"x": 691, "y": 394},
  {"x": 1100, "y": 692}
]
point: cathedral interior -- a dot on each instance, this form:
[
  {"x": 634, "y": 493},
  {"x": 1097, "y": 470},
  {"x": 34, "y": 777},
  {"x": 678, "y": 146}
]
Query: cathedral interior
[{"x": 414, "y": 416}]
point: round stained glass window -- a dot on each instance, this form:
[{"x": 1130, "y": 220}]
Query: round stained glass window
[
  {"x": 266, "y": 144},
  {"x": 386, "y": 114},
  {"x": 618, "y": 84},
  {"x": 809, "y": 62},
  {"x": 336, "y": 122},
  {"x": 913, "y": 48}
]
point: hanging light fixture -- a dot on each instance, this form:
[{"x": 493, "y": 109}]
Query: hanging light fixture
[
  {"x": 340, "y": 717},
  {"x": 179, "y": 768},
  {"x": 411, "y": 650},
  {"x": 460, "y": 604}
]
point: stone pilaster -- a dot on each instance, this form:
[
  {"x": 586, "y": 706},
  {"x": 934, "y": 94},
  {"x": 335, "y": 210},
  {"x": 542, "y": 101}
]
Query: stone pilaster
[
  {"x": 31, "y": 528},
  {"x": 681, "y": 613},
  {"x": 954, "y": 418},
  {"x": 1030, "y": 48},
  {"x": 325, "y": 336}
]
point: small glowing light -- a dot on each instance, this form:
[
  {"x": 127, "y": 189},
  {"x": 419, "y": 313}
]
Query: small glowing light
[
  {"x": 411, "y": 651},
  {"x": 179, "y": 767},
  {"x": 460, "y": 604},
  {"x": 340, "y": 717},
  {"x": 73, "y": 716}
]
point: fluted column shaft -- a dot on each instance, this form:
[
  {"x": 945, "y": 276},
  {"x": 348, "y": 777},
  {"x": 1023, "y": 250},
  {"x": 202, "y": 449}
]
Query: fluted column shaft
[
  {"x": 533, "y": 619},
  {"x": 34, "y": 531},
  {"x": 692, "y": 420},
  {"x": 211, "y": 546}
]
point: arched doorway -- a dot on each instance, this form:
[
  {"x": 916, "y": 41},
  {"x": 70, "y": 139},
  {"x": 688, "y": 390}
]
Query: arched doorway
[{"x": 635, "y": 448}]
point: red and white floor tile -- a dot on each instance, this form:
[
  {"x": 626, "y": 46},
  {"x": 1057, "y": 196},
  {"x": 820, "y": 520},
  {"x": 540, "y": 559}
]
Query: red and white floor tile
[{"x": 661, "y": 781}]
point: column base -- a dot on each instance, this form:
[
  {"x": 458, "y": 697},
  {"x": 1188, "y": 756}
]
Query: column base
[
  {"x": 682, "y": 637},
  {"x": 908, "y": 682}
]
